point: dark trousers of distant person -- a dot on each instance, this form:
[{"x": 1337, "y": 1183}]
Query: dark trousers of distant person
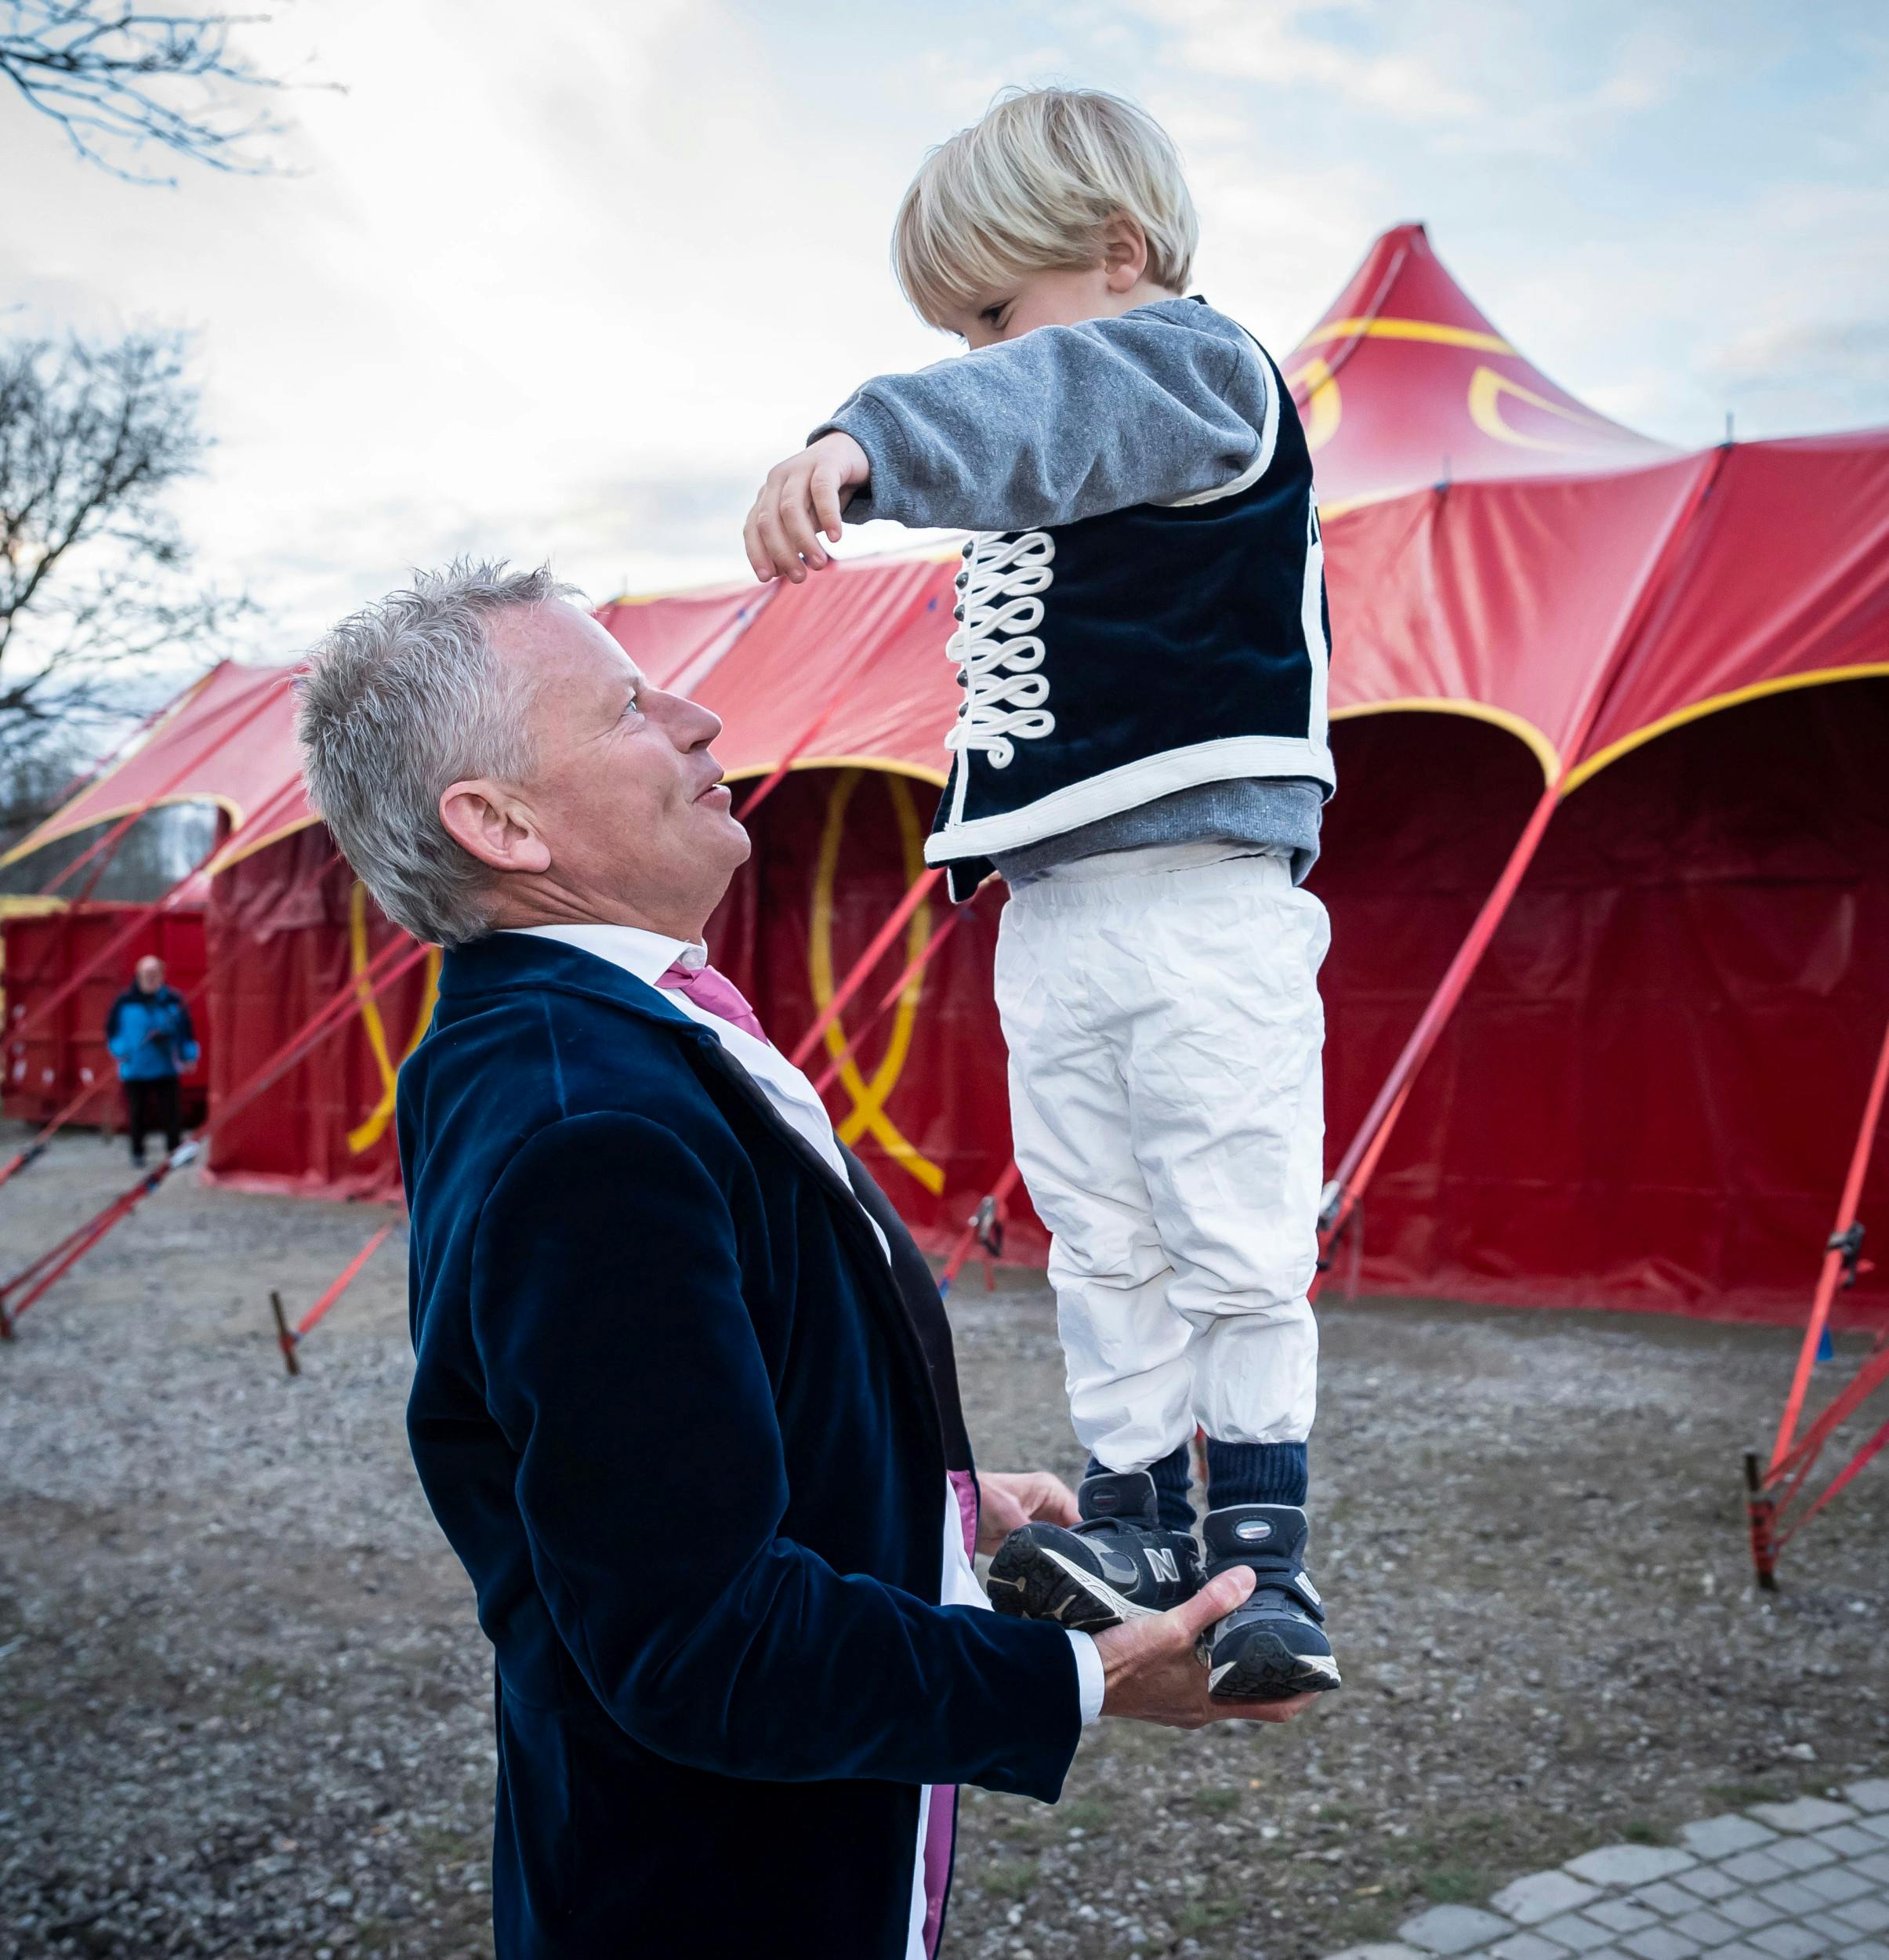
[{"x": 152, "y": 1104}]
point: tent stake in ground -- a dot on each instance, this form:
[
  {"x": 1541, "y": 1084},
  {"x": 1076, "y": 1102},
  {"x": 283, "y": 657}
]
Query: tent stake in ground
[{"x": 289, "y": 1338}]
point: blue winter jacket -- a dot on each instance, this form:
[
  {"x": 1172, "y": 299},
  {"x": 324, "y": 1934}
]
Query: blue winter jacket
[
  {"x": 689, "y": 1433},
  {"x": 150, "y": 1035}
]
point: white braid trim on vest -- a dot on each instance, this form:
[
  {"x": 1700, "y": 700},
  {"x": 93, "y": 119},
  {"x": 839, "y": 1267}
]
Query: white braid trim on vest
[{"x": 997, "y": 649}]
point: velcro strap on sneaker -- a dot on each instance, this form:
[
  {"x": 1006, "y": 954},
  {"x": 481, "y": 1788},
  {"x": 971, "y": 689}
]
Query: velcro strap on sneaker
[{"x": 1279, "y": 1575}]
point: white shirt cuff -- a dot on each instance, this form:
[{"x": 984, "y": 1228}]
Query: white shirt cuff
[{"x": 1089, "y": 1680}]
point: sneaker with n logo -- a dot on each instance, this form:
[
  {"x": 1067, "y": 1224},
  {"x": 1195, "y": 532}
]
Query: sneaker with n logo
[
  {"x": 1273, "y": 1646},
  {"x": 1117, "y": 1564}
]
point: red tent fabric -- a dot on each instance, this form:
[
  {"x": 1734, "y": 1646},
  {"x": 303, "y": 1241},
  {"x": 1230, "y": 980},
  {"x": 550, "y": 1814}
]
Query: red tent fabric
[
  {"x": 1468, "y": 406},
  {"x": 1645, "y": 1098}
]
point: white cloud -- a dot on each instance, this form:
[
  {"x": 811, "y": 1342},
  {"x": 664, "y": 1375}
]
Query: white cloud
[{"x": 568, "y": 281}]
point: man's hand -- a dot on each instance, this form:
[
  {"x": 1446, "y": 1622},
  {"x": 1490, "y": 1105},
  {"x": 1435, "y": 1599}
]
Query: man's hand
[
  {"x": 1014, "y": 1497},
  {"x": 802, "y": 500},
  {"x": 1151, "y": 1673}
]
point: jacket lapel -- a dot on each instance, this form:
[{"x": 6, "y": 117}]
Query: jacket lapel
[{"x": 510, "y": 962}]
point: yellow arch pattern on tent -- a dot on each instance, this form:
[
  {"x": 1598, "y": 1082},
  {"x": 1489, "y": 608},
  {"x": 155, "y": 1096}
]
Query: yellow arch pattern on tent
[
  {"x": 1392, "y": 328},
  {"x": 1486, "y": 389},
  {"x": 1324, "y": 405},
  {"x": 868, "y": 1111},
  {"x": 364, "y": 1136},
  {"x": 1716, "y": 704}
]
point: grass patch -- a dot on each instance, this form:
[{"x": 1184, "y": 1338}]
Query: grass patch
[
  {"x": 1644, "y": 1830},
  {"x": 1216, "y": 1803},
  {"x": 1208, "y": 1915},
  {"x": 447, "y": 1846},
  {"x": 1454, "y": 1884},
  {"x": 1082, "y": 1814},
  {"x": 1740, "y": 1794},
  {"x": 1365, "y": 1922},
  {"x": 1010, "y": 1878}
]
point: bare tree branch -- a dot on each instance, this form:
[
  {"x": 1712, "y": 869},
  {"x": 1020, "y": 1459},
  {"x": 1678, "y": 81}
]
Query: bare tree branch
[
  {"x": 94, "y": 573},
  {"x": 118, "y": 78}
]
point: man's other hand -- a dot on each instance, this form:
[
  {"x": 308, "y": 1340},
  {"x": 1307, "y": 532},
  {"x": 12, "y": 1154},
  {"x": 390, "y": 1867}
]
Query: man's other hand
[
  {"x": 1151, "y": 1673},
  {"x": 801, "y": 501},
  {"x": 1012, "y": 1498}
]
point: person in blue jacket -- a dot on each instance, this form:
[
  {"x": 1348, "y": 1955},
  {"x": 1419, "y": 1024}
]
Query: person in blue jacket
[
  {"x": 683, "y": 1396},
  {"x": 149, "y": 1033}
]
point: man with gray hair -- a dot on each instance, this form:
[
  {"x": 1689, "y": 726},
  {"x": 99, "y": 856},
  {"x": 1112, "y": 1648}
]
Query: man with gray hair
[{"x": 684, "y": 1401}]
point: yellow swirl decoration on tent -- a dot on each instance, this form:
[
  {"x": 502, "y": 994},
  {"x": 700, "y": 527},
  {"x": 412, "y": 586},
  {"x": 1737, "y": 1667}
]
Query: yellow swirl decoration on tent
[
  {"x": 1323, "y": 403},
  {"x": 1486, "y": 389},
  {"x": 365, "y": 1135},
  {"x": 868, "y": 1110}
]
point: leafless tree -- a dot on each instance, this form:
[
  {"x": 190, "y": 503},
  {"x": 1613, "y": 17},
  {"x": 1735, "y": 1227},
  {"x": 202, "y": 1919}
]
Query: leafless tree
[
  {"x": 95, "y": 575},
  {"x": 119, "y": 79}
]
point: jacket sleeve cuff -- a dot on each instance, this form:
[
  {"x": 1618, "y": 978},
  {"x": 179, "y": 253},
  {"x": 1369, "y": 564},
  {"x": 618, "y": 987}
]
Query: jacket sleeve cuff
[
  {"x": 1088, "y": 1675},
  {"x": 872, "y": 426}
]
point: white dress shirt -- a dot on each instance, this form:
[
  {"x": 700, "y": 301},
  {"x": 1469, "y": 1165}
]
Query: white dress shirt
[{"x": 649, "y": 956}]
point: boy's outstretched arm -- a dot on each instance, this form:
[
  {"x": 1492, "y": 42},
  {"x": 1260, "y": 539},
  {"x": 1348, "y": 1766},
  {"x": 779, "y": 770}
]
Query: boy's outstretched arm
[
  {"x": 1061, "y": 423},
  {"x": 800, "y": 503}
]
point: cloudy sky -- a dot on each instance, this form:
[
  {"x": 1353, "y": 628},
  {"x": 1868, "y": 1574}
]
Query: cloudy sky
[{"x": 564, "y": 280}]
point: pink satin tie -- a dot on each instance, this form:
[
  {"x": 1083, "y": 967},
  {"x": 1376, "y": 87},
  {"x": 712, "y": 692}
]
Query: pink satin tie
[{"x": 715, "y": 992}]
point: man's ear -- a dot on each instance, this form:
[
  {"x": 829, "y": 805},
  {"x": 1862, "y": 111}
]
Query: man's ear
[
  {"x": 1124, "y": 253},
  {"x": 488, "y": 821}
]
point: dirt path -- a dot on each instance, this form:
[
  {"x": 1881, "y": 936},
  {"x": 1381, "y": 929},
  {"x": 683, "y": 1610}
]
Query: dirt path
[{"x": 246, "y": 1707}]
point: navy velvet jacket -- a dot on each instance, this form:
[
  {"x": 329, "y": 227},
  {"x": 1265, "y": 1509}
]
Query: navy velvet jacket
[{"x": 689, "y": 1434}]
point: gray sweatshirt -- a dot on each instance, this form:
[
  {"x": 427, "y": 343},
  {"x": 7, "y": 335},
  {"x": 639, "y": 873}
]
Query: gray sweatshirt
[{"x": 1066, "y": 422}]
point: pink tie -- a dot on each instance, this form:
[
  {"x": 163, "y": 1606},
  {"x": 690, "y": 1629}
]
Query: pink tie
[{"x": 715, "y": 992}]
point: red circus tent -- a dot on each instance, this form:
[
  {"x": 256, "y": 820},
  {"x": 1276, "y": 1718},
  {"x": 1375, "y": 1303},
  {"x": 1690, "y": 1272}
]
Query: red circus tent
[{"x": 1667, "y": 670}]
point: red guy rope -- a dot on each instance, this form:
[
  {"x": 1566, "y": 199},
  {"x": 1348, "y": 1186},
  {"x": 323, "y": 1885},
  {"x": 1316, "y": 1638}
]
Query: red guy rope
[
  {"x": 253, "y": 706},
  {"x": 1831, "y": 1270},
  {"x": 42, "y": 1273},
  {"x": 866, "y": 963},
  {"x": 1654, "y": 594},
  {"x": 885, "y": 1002},
  {"x": 136, "y": 922}
]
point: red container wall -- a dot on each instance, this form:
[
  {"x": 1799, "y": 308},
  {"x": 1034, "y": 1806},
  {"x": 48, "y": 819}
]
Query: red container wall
[
  {"x": 55, "y": 1056},
  {"x": 289, "y": 928}
]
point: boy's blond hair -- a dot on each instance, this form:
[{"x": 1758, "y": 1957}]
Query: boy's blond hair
[{"x": 1029, "y": 189}]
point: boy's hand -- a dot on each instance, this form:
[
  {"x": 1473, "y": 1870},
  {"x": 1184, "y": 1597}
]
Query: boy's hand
[
  {"x": 1151, "y": 1673},
  {"x": 802, "y": 499}
]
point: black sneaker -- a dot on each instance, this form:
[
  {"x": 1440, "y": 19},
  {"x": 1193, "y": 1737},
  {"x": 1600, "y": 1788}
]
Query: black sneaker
[
  {"x": 1273, "y": 1646},
  {"x": 1117, "y": 1564}
]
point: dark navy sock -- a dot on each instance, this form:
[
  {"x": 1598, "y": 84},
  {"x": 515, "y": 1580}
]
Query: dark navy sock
[
  {"x": 1255, "y": 1473},
  {"x": 1171, "y": 1475}
]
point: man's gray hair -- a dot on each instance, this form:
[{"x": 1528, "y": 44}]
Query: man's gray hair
[{"x": 401, "y": 699}]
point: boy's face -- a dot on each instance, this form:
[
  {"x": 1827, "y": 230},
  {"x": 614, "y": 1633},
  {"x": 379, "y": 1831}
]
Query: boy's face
[{"x": 1057, "y": 297}]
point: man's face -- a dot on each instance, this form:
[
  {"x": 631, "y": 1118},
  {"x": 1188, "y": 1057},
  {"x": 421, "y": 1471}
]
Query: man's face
[
  {"x": 625, "y": 792},
  {"x": 151, "y": 973}
]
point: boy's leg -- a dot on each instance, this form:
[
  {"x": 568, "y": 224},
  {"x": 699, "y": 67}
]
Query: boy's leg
[
  {"x": 1225, "y": 1089},
  {"x": 1133, "y": 1552},
  {"x": 1128, "y": 1380},
  {"x": 1171, "y": 1476},
  {"x": 1225, "y": 1085}
]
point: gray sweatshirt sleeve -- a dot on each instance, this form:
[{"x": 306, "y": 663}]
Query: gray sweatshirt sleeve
[{"x": 1062, "y": 423}]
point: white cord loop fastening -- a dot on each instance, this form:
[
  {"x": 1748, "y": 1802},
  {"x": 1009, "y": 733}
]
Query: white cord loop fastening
[{"x": 996, "y": 648}]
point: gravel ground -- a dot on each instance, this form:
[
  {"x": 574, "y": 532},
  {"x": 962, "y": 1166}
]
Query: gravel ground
[{"x": 246, "y": 1706}]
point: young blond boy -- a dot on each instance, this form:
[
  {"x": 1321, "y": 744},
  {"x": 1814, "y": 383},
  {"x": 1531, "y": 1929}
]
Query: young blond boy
[{"x": 1141, "y": 753}]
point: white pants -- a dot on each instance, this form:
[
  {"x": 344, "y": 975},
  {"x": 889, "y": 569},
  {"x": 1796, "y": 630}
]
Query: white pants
[{"x": 1167, "y": 1104}]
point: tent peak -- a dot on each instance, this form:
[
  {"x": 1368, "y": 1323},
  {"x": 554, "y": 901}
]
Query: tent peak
[{"x": 1406, "y": 382}]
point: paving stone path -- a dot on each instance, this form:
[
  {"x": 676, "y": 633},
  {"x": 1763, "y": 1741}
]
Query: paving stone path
[{"x": 1778, "y": 1882}]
